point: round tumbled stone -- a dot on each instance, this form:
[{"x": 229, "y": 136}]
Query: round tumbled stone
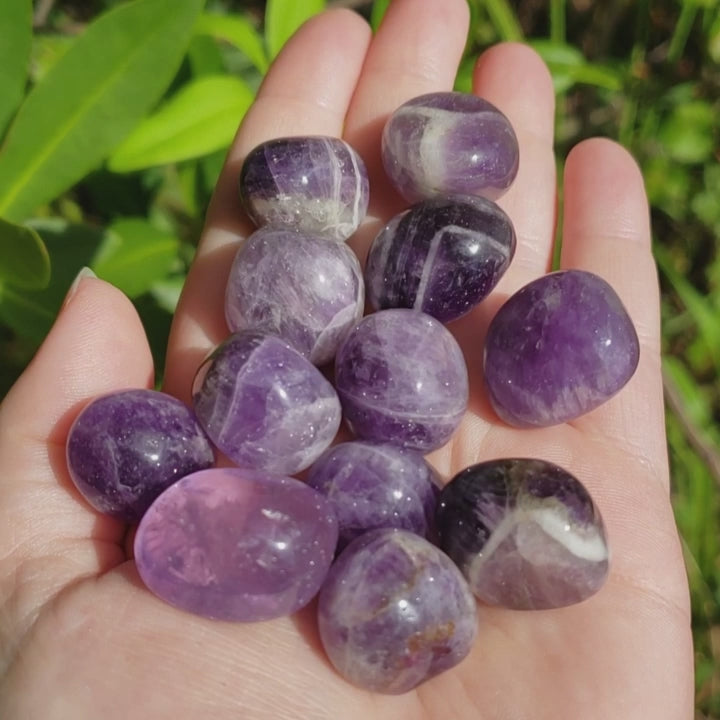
[
  {"x": 449, "y": 142},
  {"x": 264, "y": 405},
  {"x": 125, "y": 448},
  {"x": 402, "y": 379},
  {"x": 313, "y": 184},
  {"x": 394, "y": 611},
  {"x": 525, "y": 533},
  {"x": 442, "y": 256},
  {"x": 301, "y": 287},
  {"x": 376, "y": 485},
  {"x": 232, "y": 544},
  {"x": 558, "y": 348}
]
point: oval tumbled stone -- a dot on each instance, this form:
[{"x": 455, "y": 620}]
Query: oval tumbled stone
[
  {"x": 525, "y": 533},
  {"x": 313, "y": 184},
  {"x": 449, "y": 142},
  {"x": 126, "y": 447},
  {"x": 442, "y": 256},
  {"x": 558, "y": 348},
  {"x": 265, "y": 405},
  {"x": 234, "y": 544}
]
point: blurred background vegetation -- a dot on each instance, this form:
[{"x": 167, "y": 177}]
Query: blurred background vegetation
[{"x": 115, "y": 118}]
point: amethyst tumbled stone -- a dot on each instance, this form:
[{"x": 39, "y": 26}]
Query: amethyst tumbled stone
[
  {"x": 442, "y": 256},
  {"x": 374, "y": 485},
  {"x": 558, "y": 348},
  {"x": 402, "y": 379},
  {"x": 265, "y": 405},
  {"x": 234, "y": 544},
  {"x": 125, "y": 448},
  {"x": 394, "y": 611},
  {"x": 314, "y": 184},
  {"x": 301, "y": 287},
  {"x": 525, "y": 533},
  {"x": 449, "y": 142}
]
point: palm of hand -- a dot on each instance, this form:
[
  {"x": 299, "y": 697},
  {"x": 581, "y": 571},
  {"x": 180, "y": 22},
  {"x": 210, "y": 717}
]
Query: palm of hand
[{"x": 79, "y": 635}]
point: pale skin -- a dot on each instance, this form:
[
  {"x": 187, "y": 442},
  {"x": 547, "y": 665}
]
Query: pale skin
[{"x": 81, "y": 638}]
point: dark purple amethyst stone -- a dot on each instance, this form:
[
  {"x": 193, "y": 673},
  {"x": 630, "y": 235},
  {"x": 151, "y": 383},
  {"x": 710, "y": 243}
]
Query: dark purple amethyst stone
[
  {"x": 558, "y": 348},
  {"x": 125, "y": 448},
  {"x": 442, "y": 256}
]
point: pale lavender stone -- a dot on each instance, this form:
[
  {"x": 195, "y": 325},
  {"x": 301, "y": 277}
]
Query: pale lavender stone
[
  {"x": 302, "y": 287},
  {"x": 233, "y": 544},
  {"x": 376, "y": 485},
  {"x": 525, "y": 533},
  {"x": 449, "y": 142},
  {"x": 394, "y": 611},
  {"x": 402, "y": 379},
  {"x": 264, "y": 405},
  {"x": 126, "y": 447},
  {"x": 558, "y": 348},
  {"x": 442, "y": 256},
  {"x": 313, "y": 184}
]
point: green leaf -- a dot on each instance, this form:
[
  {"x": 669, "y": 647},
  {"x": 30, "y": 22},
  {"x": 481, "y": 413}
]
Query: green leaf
[
  {"x": 91, "y": 99},
  {"x": 379, "y": 9},
  {"x": 687, "y": 133},
  {"x": 24, "y": 260},
  {"x": 135, "y": 255},
  {"x": 504, "y": 20},
  {"x": 46, "y": 51},
  {"x": 204, "y": 57},
  {"x": 16, "y": 28},
  {"x": 201, "y": 118},
  {"x": 238, "y": 31},
  {"x": 284, "y": 17}
]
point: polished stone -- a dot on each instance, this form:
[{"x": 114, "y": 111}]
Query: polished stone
[
  {"x": 402, "y": 379},
  {"x": 376, "y": 485},
  {"x": 525, "y": 533},
  {"x": 394, "y": 611},
  {"x": 442, "y": 256},
  {"x": 234, "y": 544},
  {"x": 301, "y": 287},
  {"x": 125, "y": 448},
  {"x": 313, "y": 184},
  {"x": 558, "y": 348},
  {"x": 449, "y": 142},
  {"x": 264, "y": 405}
]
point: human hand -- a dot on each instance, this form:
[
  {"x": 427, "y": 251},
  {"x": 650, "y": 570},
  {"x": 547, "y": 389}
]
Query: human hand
[{"x": 81, "y": 638}]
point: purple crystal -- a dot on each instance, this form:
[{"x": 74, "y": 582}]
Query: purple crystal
[
  {"x": 449, "y": 142},
  {"x": 125, "y": 448},
  {"x": 394, "y": 611},
  {"x": 558, "y": 348},
  {"x": 442, "y": 256},
  {"x": 234, "y": 544},
  {"x": 402, "y": 379},
  {"x": 372, "y": 485},
  {"x": 305, "y": 289},
  {"x": 314, "y": 184},
  {"x": 264, "y": 405},
  {"x": 525, "y": 533}
]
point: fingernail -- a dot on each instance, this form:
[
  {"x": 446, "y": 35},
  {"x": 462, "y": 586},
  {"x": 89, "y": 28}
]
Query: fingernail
[{"x": 85, "y": 272}]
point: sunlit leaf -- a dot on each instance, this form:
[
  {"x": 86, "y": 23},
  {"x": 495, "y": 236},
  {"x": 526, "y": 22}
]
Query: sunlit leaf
[
  {"x": 15, "y": 43},
  {"x": 238, "y": 31},
  {"x": 284, "y": 17}
]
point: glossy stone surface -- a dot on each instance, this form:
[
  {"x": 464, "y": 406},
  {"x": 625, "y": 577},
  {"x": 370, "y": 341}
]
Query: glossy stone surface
[
  {"x": 265, "y": 405},
  {"x": 402, "y": 379},
  {"x": 376, "y": 485},
  {"x": 313, "y": 184},
  {"x": 394, "y": 611},
  {"x": 525, "y": 533},
  {"x": 442, "y": 256},
  {"x": 125, "y": 448},
  {"x": 234, "y": 544},
  {"x": 449, "y": 142},
  {"x": 558, "y": 348},
  {"x": 301, "y": 287}
]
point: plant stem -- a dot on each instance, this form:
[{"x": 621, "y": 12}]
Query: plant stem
[
  {"x": 504, "y": 19},
  {"x": 682, "y": 30},
  {"x": 557, "y": 21}
]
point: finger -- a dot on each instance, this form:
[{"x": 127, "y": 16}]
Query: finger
[
  {"x": 416, "y": 50},
  {"x": 515, "y": 79},
  {"x": 97, "y": 345},
  {"x": 306, "y": 92},
  {"x": 607, "y": 231}
]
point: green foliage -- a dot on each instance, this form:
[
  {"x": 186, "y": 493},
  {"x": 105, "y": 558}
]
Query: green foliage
[
  {"x": 238, "y": 31},
  {"x": 24, "y": 261},
  {"x": 16, "y": 24},
  {"x": 284, "y": 17}
]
